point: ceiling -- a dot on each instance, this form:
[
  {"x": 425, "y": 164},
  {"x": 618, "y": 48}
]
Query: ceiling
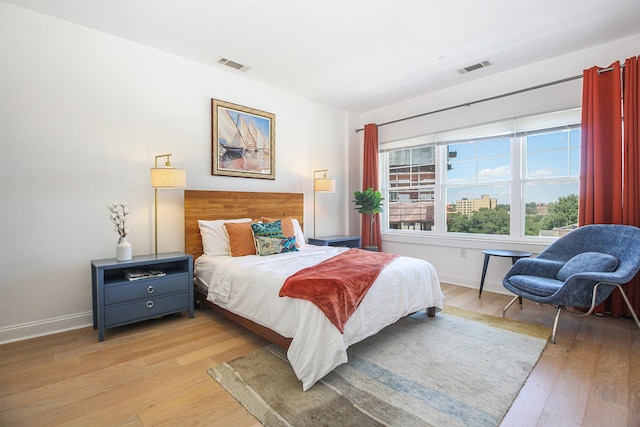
[{"x": 357, "y": 55}]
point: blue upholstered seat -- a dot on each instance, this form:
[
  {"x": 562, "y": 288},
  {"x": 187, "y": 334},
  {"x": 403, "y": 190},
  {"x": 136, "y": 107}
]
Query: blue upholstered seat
[{"x": 581, "y": 269}]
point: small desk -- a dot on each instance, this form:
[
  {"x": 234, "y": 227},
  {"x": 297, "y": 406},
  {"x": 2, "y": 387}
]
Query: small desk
[
  {"x": 488, "y": 253},
  {"x": 344, "y": 241}
]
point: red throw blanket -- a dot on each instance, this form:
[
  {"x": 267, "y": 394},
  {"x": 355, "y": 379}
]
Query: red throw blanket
[{"x": 338, "y": 285}]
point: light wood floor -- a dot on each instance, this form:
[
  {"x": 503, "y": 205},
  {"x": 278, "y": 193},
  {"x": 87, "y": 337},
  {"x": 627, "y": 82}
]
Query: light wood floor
[{"x": 154, "y": 373}]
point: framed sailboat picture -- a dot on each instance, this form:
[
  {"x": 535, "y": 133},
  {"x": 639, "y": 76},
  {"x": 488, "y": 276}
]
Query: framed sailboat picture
[{"x": 243, "y": 141}]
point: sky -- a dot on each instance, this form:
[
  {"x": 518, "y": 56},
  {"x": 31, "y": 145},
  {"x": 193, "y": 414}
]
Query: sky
[{"x": 553, "y": 155}]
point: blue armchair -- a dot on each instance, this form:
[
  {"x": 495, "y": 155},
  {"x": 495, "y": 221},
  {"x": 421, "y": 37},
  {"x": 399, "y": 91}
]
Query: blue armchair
[{"x": 581, "y": 269}]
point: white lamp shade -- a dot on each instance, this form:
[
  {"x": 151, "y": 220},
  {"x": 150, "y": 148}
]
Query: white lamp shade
[
  {"x": 168, "y": 178},
  {"x": 324, "y": 185}
]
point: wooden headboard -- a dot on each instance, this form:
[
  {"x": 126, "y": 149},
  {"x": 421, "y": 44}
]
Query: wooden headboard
[{"x": 210, "y": 205}]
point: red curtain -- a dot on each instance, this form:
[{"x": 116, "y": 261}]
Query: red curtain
[
  {"x": 370, "y": 180},
  {"x": 631, "y": 183},
  {"x": 609, "y": 176},
  {"x": 601, "y": 156}
]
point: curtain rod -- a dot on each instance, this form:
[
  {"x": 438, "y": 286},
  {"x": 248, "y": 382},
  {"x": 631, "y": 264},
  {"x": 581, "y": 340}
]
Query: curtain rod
[
  {"x": 604, "y": 70},
  {"x": 467, "y": 104}
]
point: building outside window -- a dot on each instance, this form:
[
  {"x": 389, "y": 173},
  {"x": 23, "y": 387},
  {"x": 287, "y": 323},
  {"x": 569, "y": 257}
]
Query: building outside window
[
  {"x": 516, "y": 178},
  {"x": 411, "y": 189}
]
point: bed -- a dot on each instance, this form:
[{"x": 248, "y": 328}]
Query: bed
[{"x": 245, "y": 288}]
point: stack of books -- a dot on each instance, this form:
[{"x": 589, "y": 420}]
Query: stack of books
[{"x": 142, "y": 274}]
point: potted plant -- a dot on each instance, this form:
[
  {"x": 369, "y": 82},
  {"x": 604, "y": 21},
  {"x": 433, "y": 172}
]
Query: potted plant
[{"x": 369, "y": 202}]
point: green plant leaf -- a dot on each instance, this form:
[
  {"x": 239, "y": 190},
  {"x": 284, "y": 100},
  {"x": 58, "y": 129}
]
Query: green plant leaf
[{"x": 368, "y": 202}]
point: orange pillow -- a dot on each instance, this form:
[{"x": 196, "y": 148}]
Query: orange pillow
[
  {"x": 240, "y": 238},
  {"x": 286, "y": 223}
]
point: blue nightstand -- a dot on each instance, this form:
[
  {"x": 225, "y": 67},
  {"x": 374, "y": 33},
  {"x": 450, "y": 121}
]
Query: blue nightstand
[
  {"x": 343, "y": 241},
  {"x": 165, "y": 288}
]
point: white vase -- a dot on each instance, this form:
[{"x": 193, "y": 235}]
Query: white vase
[{"x": 123, "y": 250}]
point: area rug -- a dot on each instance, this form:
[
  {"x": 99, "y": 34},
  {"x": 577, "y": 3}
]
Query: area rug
[{"x": 457, "y": 369}]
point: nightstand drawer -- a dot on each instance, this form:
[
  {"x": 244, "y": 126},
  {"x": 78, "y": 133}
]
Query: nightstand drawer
[
  {"x": 145, "y": 288},
  {"x": 145, "y": 308}
]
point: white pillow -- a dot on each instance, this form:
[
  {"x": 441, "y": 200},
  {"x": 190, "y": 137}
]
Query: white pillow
[
  {"x": 215, "y": 240},
  {"x": 299, "y": 234}
]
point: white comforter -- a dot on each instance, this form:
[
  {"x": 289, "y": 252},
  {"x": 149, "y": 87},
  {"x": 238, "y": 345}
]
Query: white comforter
[{"x": 249, "y": 286}]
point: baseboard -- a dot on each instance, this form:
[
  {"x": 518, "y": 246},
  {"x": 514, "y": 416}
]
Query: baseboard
[
  {"x": 44, "y": 327},
  {"x": 474, "y": 282}
]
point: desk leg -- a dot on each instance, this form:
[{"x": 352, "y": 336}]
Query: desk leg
[{"x": 484, "y": 273}]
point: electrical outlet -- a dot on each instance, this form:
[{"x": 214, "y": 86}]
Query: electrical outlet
[{"x": 463, "y": 253}]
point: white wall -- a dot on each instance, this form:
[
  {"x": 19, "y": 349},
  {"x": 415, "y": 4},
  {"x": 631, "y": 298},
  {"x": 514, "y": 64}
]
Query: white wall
[
  {"x": 82, "y": 116},
  {"x": 459, "y": 261}
]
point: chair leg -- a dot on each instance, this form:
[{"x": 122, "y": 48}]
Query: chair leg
[
  {"x": 511, "y": 303},
  {"x": 555, "y": 324},
  {"x": 624, "y": 297},
  {"x": 593, "y": 305},
  {"x": 633, "y": 313}
]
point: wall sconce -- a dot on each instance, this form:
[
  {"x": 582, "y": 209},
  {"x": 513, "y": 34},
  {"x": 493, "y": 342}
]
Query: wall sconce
[
  {"x": 321, "y": 185},
  {"x": 167, "y": 177}
]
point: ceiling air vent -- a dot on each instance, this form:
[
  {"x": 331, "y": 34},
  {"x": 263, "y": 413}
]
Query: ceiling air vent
[
  {"x": 474, "y": 67},
  {"x": 232, "y": 64}
]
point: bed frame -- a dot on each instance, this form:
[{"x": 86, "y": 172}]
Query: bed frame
[{"x": 212, "y": 205}]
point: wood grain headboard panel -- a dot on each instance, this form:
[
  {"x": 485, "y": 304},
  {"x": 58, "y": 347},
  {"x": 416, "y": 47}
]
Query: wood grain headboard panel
[{"x": 211, "y": 205}]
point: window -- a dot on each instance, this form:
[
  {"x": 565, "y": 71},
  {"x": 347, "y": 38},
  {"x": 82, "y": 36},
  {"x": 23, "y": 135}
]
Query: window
[
  {"x": 477, "y": 190},
  {"x": 550, "y": 183},
  {"x": 515, "y": 178},
  {"x": 412, "y": 181}
]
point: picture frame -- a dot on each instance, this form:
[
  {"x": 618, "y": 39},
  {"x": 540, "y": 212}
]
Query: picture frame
[{"x": 243, "y": 141}]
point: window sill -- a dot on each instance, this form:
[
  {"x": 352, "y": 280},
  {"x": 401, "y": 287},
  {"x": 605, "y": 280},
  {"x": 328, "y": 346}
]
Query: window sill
[{"x": 533, "y": 245}]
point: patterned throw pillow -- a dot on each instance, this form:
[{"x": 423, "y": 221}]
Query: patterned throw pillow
[
  {"x": 269, "y": 229},
  {"x": 288, "y": 227},
  {"x": 275, "y": 245},
  {"x": 289, "y": 244},
  {"x": 285, "y": 223}
]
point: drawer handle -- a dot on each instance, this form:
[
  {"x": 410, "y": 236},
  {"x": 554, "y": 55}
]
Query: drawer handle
[
  {"x": 150, "y": 289},
  {"x": 149, "y": 304}
]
